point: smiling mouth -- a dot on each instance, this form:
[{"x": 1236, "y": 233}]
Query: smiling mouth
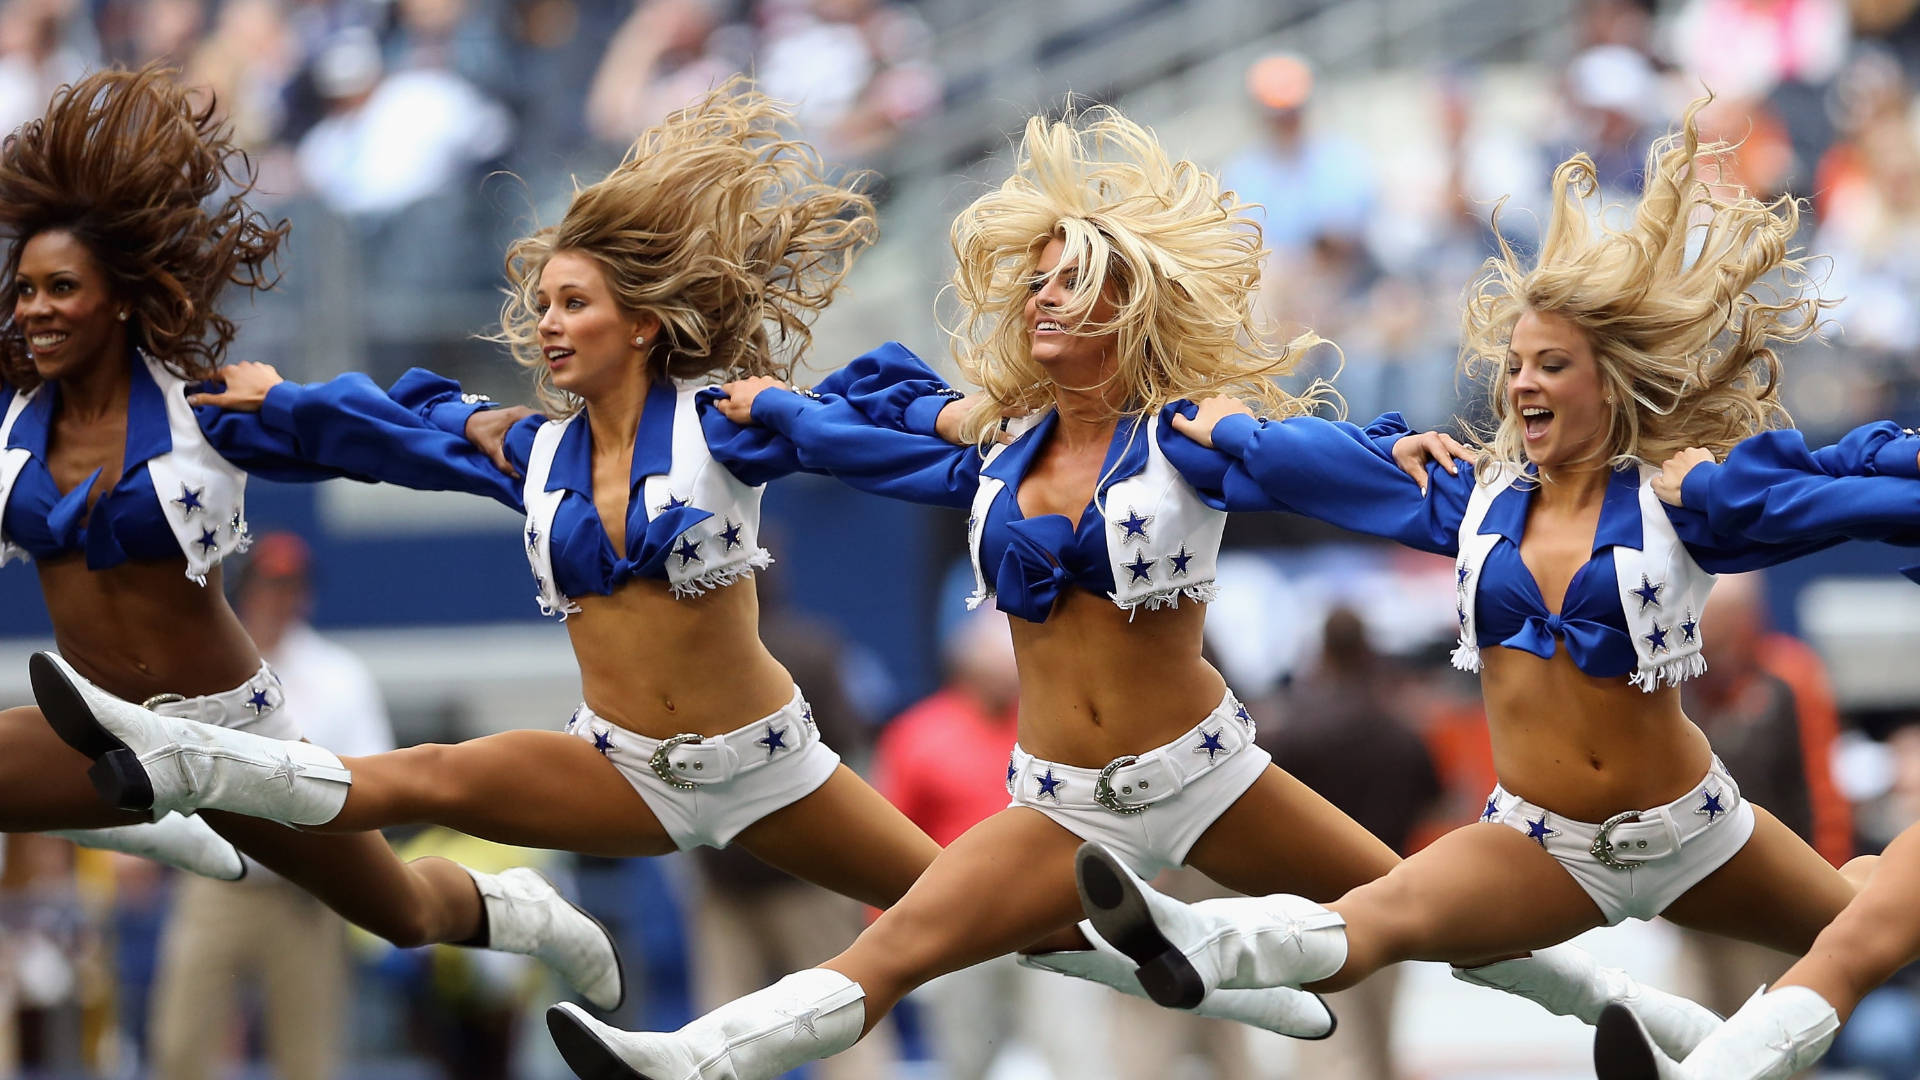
[
  {"x": 556, "y": 355},
  {"x": 1049, "y": 326},
  {"x": 46, "y": 339},
  {"x": 1537, "y": 421}
]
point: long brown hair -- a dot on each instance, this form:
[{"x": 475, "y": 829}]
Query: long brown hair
[{"x": 151, "y": 183}]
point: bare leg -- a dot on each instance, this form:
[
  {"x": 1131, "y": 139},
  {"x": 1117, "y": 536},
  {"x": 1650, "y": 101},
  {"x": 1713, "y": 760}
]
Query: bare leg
[
  {"x": 1876, "y": 935},
  {"x": 1776, "y": 892},
  {"x": 1281, "y": 836},
  {"x": 43, "y": 781},
  {"x": 846, "y": 837},
  {"x": 1002, "y": 884}
]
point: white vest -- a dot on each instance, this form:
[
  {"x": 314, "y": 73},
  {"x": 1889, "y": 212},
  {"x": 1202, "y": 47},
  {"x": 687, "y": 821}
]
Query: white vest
[
  {"x": 728, "y": 543},
  {"x": 1662, "y": 590},
  {"x": 1163, "y": 542},
  {"x": 192, "y": 472}
]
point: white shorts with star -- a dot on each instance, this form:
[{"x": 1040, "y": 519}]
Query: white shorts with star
[
  {"x": 1148, "y": 808},
  {"x": 705, "y": 790},
  {"x": 1661, "y": 853},
  {"x": 254, "y": 705}
]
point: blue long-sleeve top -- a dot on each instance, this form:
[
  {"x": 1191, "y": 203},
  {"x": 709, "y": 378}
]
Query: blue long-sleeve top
[
  {"x": 584, "y": 561},
  {"x": 127, "y": 524},
  {"x": 872, "y": 424},
  {"x": 1772, "y": 500}
]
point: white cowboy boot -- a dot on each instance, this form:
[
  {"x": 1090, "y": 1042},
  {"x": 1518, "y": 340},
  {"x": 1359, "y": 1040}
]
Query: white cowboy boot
[
  {"x": 184, "y": 843},
  {"x": 804, "y": 1017},
  {"x": 527, "y": 915},
  {"x": 1566, "y": 981},
  {"x": 1295, "y": 1013},
  {"x": 142, "y": 760},
  {"x": 1187, "y": 951},
  {"x": 1772, "y": 1037}
]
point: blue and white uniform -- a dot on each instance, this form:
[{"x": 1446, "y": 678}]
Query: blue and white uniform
[
  {"x": 693, "y": 521},
  {"x": 181, "y": 494},
  {"x": 1632, "y": 611},
  {"x": 1149, "y": 538}
]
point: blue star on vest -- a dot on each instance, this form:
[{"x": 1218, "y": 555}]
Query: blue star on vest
[
  {"x": 776, "y": 740},
  {"x": 1712, "y": 807},
  {"x": 1492, "y": 811},
  {"x": 1461, "y": 610},
  {"x": 1134, "y": 524},
  {"x": 730, "y": 535},
  {"x": 1689, "y": 630},
  {"x": 1179, "y": 562},
  {"x": 1049, "y": 786},
  {"x": 1462, "y": 573},
  {"x": 238, "y": 522},
  {"x": 259, "y": 703},
  {"x": 1538, "y": 832},
  {"x": 190, "y": 499},
  {"x": 1648, "y": 592},
  {"x": 1140, "y": 568},
  {"x": 602, "y": 742},
  {"x": 533, "y": 538},
  {"x": 1657, "y": 640},
  {"x": 688, "y": 551},
  {"x": 674, "y": 502},
  {"x": 207, "y": 540},
  {"x": 1210, "y": 745}
]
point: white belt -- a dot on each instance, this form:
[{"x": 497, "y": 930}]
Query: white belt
[
  {"x": 1130, "y": 784},
  {"x": 1637, "y": 836},
  {"x": 687, "y": 760},
  {"x": 251, "y": 700}
]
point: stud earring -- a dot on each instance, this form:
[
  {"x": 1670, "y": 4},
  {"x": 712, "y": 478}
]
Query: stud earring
[
  {"x": 122, "y": 316},
  {"x": 639, "y": 342}
]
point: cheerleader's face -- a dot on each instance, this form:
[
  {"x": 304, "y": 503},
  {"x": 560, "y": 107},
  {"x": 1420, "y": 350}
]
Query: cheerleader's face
[
  {"x": 1554, "y": 392},
  {"x": 588, "y": 342},
  {"x": 64, "y": 305},
  {"x": 1059, "y": 345}
]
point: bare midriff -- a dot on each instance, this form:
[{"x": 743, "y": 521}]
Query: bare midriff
[
  {"x": 663, "y": 666},
  {"x": 1583, "y": 747},
  {"x": 1097, "y": 683},
  {"x": 145, "y": 628}
]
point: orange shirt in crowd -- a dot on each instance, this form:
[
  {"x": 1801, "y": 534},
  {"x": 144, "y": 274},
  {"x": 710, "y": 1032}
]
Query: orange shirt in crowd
[{"x": 1794, "y": 662}]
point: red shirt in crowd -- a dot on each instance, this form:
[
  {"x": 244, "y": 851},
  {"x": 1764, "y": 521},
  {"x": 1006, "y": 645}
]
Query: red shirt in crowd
[{"x": 943, "y": 762}]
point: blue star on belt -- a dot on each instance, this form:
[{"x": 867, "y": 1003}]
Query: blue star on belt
[
  {"x": 1049, "y": 786},
  {"x": 730, "y": 535},
  {"x": 674, "y": 502},
  {"x": 688, "y": 551},
  {"x": 1134, "y": 524},
  {"x": 189, "y": 499},
  {"x": 602, "y": 742},
  {"x": 1140, "y": 568},
  {"x": 1210, "y": 744},
  {"x": 1689, "y": 630},
  {"x": 1712, "y": 807},
  {"x": 1240, "y": 713},
  {"x": 208, "y": 540},
  {"x": 1012, "y": 771},
  {"x": 806, "y": 715},
  {"x": 1648, "y": 592},
  {"x": 1538, "y": 832},
  {"x": 1179, "y": 562},
  {"x": 1492, "y": 811},
  {"x": 258, "y": 702},
  {"x": 572, "y": 720},
  {"x": 776, "y": 740},
  {"x": 1657, "y": 639}
]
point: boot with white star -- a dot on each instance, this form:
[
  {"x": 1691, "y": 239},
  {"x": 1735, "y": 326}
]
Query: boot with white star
[
  {"x": 1772, "y": 1037},
  {"x": 1184, "y": 952},
  {"x": 184, "y": 843},
  {"x": 143, "y": 760},
  {"x": 1567, "y": 981},
  {"x": 804, "y": 1017},
  {"x": 1297, "y": 1014}
]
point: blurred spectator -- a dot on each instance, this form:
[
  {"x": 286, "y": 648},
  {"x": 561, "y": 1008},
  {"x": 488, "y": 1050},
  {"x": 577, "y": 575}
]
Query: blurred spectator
[
  {"x": 750, "y": 923},
  {"x": 264, "y": 931},
  {"x": 943, "y": 762},
  {"x": 1753, "y": 722},
  {"x": 35, "y": 57},
  {"x": 667, "y": 53},
  {"x": 1338, "y": 733},
  {"x": 1310, "y": 185},
  {"x": 859, "y": 70}
]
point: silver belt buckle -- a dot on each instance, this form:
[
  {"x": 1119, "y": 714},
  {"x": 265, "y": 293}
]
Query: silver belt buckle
[
  {"x": 1602, "y": 848},
  {"x": 663, "y": 768},
  {"x": 1104, "y": 794},
  {"x": 158, "y": 700}
]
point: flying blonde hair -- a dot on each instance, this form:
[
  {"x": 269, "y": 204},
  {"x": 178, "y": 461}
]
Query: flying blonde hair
[
  {"x": 1689, "y": 343},
  {"x": 1182, "y": 257},
  {"x": 716, "y": 222}
]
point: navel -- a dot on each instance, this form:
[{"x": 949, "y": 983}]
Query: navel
[{"x": 667, "y": 704}]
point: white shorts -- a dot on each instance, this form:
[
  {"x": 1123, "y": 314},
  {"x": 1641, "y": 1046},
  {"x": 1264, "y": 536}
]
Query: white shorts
[
  {"x": 254, "y": 705},
  {"x": 706, "y": 789},
  {"x": 1659, "y": 853},
  {"x": 1149, "y": 808}
]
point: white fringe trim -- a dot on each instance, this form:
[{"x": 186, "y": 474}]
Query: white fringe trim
[
  {"x": 1466, "y": 657},
  {"x": 978, "y": 597},
  {"x": 562, "y": 610},
  {"x": 1205, "y": 592},
  {"x": 723, "y": 576},
  {"x": 1672, "y": 673}
]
